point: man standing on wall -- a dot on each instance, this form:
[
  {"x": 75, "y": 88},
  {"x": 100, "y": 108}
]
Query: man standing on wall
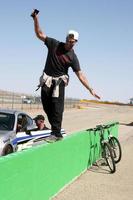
[{"x": 55, "y": 77}]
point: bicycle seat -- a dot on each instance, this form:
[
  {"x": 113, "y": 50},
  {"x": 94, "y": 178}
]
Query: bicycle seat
[{"x": 99, "y": 126}]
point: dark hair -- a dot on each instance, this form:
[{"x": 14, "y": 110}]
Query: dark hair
[{"x": 38, "y": 117}]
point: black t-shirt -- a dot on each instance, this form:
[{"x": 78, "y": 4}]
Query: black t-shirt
[{"x": 58, "y": 59}]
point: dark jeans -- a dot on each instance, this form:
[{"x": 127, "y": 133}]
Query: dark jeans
[{"x": 54, "y": 107}]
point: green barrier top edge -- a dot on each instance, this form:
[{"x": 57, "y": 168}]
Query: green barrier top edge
[{"x": 103, "y": 126}]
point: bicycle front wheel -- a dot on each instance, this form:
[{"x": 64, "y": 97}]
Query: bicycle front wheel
[
  {"x": 108, "y": 155},
  {"x": 116, "y": 149}
]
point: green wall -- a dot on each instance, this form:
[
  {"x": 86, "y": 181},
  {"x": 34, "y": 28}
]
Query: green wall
[{"x": 40, "y": 172}]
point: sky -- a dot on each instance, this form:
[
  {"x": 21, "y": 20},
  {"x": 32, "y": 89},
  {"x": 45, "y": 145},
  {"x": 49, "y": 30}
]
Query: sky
[{"x": 104, "y": 49}]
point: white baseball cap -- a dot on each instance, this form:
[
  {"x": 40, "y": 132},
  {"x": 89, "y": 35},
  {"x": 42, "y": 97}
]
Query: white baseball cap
[{"x": 74, "y": 33}]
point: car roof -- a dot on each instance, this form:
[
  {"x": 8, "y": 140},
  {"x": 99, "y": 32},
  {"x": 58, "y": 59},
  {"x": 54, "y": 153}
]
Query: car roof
[{"x": 11, "y": 111}]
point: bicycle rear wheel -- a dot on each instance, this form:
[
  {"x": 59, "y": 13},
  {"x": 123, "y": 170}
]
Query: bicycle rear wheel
[
  {"x": 116, "y": 149},
  {"x": 108, "y": 156}
]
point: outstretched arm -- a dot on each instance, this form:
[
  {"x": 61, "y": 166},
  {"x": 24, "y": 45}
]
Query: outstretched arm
[
  {"x": 85, "y": 82},
  {"x": 42, "y": 36}
]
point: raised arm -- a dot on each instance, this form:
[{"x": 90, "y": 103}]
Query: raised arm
[
  {"x": 85, "y": 82},
  {"x": 42, "y": 36}
]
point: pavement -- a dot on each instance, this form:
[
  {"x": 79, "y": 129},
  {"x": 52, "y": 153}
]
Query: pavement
[{"x": 97, "y": 183}]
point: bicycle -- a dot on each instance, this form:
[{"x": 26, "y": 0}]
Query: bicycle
[
  {"x": 106, "y": 150},
  {"x": 115, "y": 145}
]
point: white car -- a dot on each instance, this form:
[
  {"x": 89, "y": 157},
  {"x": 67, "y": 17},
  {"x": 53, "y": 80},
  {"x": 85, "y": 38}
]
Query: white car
[
  {"x": 13, "y": 130},
  {"x": 27, "y": 101}
]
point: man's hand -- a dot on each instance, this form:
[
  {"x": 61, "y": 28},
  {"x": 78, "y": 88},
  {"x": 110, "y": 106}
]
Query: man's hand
[
  {"x": 84, "y": 81},
  {"x": 94, "y": 94},
  {"x": 34, "y": 13}
]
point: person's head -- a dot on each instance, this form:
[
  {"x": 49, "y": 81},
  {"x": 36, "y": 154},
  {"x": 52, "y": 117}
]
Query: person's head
[
  {"x": 39, "y": 120},
  {"x": 71, "y": 39}
]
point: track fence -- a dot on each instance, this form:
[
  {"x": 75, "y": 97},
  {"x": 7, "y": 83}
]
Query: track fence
[{"x": 24, "y": 102}]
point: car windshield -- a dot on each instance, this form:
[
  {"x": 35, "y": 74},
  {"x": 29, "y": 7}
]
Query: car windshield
[{"x": 7, "y": 121}]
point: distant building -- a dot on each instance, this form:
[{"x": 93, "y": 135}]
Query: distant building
[{"x": 131, "y": 101}]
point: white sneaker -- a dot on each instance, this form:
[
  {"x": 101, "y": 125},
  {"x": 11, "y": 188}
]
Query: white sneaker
[{"x": 51, "y": 138}]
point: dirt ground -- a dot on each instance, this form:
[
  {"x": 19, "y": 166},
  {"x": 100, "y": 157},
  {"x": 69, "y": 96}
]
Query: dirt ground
[{"x": 96, "y": 183}]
